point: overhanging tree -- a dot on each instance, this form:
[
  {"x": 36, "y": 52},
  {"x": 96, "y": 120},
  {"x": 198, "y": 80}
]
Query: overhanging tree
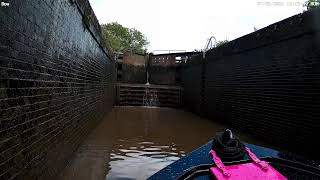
[
  {"x": 311, "y": 4},
  {"x": 121, "y": 39}
]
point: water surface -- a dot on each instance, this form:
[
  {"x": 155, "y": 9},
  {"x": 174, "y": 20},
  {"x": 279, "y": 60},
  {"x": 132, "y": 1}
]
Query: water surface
[{"x": 136, "y": 142}]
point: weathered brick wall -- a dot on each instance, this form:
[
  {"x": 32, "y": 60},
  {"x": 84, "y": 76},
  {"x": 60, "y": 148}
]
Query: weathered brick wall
[
  {"x": 191, "y": 83},
  {"x": 267, "y": 83},
  {"x": 56, "y": 83}
]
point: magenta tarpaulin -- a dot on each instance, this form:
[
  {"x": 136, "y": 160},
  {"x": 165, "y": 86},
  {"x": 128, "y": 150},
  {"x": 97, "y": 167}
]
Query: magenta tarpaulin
[{"x": 258, "y": 170}]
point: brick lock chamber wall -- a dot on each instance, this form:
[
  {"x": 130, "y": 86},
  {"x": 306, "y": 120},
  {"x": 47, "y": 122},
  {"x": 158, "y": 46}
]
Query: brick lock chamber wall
[
  {"x": 56, "y": 83},
  {"x": 266, "y": 83}
]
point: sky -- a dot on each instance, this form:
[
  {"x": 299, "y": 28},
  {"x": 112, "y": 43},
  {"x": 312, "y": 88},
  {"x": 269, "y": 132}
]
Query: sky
[{"x": 187, "y": 24}]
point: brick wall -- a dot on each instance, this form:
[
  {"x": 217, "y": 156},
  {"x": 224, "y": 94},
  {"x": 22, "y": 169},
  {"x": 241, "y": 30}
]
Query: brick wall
[
  {"x": 56, "y": 83},
  {"x": 266, "y": 83},
  {"x": 191, "y": 83}
]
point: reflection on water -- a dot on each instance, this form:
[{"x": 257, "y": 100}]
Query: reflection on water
[
  {"x": 136, "y": 142},
  {"x": 141, "y": 160}
]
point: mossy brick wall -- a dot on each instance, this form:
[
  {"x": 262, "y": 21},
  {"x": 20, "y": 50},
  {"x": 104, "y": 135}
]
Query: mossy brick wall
[
  {"x": 56, "y": 83},
  {"x": 266, "y": 83}
]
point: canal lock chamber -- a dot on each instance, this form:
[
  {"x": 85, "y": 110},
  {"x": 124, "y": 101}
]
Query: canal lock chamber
[{"x": 58, "y": 82}]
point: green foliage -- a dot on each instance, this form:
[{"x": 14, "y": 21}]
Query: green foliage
[
  {"x": 121, "y": 39},
  {"x": 311, "y": 4},
  {"x": 86, "y": 19},
  {"x": 219, "y": 43}
]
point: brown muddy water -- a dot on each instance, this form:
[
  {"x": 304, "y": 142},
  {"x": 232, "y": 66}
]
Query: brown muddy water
[{"x": 136, "y": 142}]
